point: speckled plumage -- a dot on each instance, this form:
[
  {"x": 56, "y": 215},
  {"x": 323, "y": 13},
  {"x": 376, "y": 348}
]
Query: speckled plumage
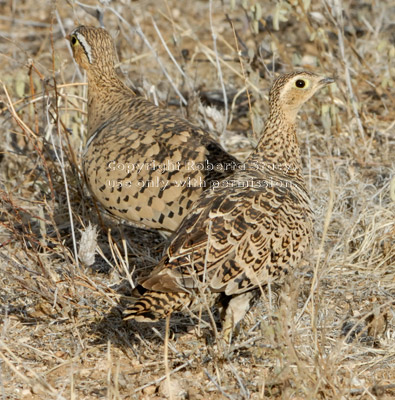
[
  {"x": 142, "y": 163},
  {"x": 254, "y": 227}
]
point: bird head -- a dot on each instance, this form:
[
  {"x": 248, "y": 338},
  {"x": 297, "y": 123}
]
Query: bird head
[
  {"x": 93, "y": 48},
  {"x": 290, "y": 91}
]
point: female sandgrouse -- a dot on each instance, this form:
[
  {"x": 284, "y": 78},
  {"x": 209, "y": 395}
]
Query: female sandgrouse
[
  {"x": 142, "y": 163},
  {"x": 252, "y": 228}
]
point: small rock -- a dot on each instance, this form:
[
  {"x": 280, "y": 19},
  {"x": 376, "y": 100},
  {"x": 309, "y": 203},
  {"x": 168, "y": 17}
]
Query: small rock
[
  {"x": 176, "y": 389},
  {"x": 149, "y": 390},
  {"x": 26, "y": 393}
]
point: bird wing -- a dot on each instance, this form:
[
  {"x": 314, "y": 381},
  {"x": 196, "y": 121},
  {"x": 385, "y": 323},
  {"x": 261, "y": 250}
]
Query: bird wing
[
  {"x": 235, "y": 239},
  {"x": 151, "y": 168}
]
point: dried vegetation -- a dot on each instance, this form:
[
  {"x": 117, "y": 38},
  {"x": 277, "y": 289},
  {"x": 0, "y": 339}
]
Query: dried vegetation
[{"x": 328, "y": 334}]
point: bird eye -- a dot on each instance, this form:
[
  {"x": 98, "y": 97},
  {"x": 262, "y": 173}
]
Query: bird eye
[
  {"x": 300, "y": 83},
  {"x": 74, "y": 40}
]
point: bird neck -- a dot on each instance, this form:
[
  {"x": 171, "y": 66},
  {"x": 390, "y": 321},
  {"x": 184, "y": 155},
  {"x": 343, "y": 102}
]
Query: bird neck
[
  {"x": 278, "y": 149},
  {"x": 106, "y": 96}
]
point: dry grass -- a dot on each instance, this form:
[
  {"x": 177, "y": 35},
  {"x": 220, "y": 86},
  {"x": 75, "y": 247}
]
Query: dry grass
[{"x": 329, "y": 335}]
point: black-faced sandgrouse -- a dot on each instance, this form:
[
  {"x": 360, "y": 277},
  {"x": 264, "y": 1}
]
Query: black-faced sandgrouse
[
  {"x": 142, "y": 163},
  {"x": 250, "y": 229}
]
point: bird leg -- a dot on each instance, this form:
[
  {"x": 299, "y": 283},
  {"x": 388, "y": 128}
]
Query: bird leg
[{"x": 234, "y": 313}]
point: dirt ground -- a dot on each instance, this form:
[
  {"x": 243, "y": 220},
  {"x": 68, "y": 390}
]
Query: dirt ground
[{"x": 328, "y": 333}]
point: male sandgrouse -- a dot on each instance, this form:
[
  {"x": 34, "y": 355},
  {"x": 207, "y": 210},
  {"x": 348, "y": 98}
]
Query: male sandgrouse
[
  {"x": 250, "y": 229},
  {"x": 142, "y": 163}
]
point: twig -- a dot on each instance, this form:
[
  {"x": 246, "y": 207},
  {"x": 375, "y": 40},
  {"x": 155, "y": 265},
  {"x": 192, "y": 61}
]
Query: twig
[
  {"x": 243, "y": 73},
  {"x": 68, "y": 45},
  {"x": 204, "y": 286},
  {"x": 219, "y": 70},
  {"x": 167, "y": 48},
  {"x": 23, "y": 22},
  {"x": 44, "y": 385},
  {"x": 60, "y": 157},
  {"x": 218, "y": 386},
  {"x": 163, "y": 68},
  {"x": 155, "y": 382},
  {"x": 321, "y": 248},
  {"x": 166, "y": 357},
  {"x": 337, "y": 19},
  {"x": 375, "y": 389},
  {"x": 244, "y": 390},
  {"x": 14, "y": 114},
  {"x": 207, "y": 52},
  {"x": 140, "y": 32}
]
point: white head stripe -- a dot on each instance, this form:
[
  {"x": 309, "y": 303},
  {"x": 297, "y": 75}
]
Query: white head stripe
[{"x": 85, "y": 45}]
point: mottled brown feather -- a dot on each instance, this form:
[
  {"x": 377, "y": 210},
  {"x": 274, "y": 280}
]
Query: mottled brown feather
[
  {"x": 129, "y": 136},
  {"x": 252, "y": 228}
]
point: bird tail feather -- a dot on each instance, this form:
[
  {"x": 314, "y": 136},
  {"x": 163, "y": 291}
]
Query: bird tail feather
[{"x": 152, "y": 306}]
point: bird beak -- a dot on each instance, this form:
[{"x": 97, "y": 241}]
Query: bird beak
[{"x": 326, "y": 81}]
